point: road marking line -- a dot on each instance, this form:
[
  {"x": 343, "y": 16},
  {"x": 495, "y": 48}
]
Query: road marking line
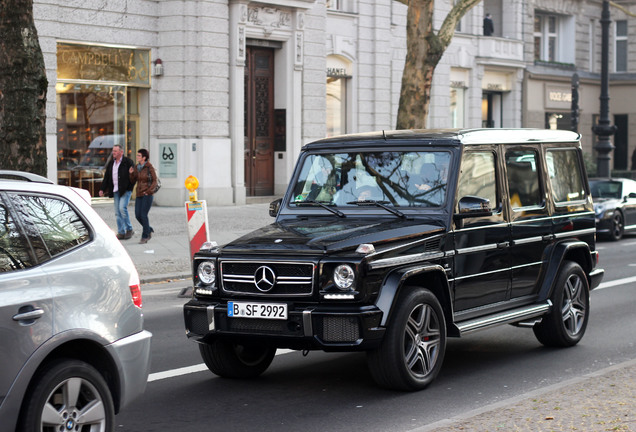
[
  {"x": 191, "y": 369},
  {"x": 616, "y": 282}
]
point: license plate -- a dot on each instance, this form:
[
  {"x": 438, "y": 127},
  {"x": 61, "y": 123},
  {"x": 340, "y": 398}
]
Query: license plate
[{"x": 257, "y": 310}]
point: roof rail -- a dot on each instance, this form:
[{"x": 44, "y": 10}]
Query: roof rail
[{"x": 23, "y": 176}]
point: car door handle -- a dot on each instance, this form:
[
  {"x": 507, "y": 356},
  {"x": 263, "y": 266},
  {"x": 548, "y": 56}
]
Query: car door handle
[
  {"x": 503, "y": 245},
  {"x": 31, "y": 315},
  {"x": 547, "y": 237}
]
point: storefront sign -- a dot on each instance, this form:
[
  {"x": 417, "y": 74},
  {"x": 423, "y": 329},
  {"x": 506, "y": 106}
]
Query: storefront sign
[
  {"x": 128, "y": 66},
  {"x": 168, "y": 160},
  {"x": 337, "y": 72},
  {"x": 559, "y": 97},
  {"x": 496, "y": 81}
]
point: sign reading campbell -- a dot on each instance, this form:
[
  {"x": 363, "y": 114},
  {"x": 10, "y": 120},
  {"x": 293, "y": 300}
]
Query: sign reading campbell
[{"x": 130, "y": 66}]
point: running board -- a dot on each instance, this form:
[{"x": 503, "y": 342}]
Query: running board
[{"x": 507, "y": 317}]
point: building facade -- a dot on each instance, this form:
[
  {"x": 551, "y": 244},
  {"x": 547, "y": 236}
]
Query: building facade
[{"x": 229, "y": 90}]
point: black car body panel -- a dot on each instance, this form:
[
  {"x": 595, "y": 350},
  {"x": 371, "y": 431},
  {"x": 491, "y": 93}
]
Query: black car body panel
[{"x": 482, "y": 220}]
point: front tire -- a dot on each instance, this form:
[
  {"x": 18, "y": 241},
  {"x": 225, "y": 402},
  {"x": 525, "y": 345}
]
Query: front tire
[
  {"x": 565, "y": 325},
  {"x": 68, "y": 395},
  {"x": 231, "y": 360},
  {"x": 412, "y": 352}
]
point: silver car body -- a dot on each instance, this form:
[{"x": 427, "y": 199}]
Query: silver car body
[{"x": 76, "y": 305}]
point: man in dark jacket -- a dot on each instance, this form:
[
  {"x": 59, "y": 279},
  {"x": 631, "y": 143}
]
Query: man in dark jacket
[
  {"x": 489, "y": 27},
  {"x": 118, "y": 185}
]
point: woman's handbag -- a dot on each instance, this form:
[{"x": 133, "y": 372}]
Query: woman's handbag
[{"x": 150, "y": 183}]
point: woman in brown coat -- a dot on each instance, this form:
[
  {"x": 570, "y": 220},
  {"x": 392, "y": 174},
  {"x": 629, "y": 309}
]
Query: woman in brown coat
[{"x": 145, "y": 176}]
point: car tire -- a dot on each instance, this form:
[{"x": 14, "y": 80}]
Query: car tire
[
  {"x": 68, "y": 395},
  {"x": 565, "y": 325},
  {"x": 412, "y": 351},
  {"x": 231, "y": 360},
  {"x": 618, "y": 227}
]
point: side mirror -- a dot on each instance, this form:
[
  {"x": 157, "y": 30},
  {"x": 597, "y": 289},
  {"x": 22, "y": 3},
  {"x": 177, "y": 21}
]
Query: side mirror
[
  {"x": 274, "y": 207},
  {"x": 472, "y": 206}
]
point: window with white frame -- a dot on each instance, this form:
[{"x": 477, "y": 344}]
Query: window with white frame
[
  {"x": 620, "y": 51},
  {"x": 545, "y": 37},
  {"x": 341, "y": 5},
  {"x": 552, "y": 36}
]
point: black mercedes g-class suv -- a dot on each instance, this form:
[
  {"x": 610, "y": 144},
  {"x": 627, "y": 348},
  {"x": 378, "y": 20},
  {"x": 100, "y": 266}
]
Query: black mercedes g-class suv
[{"x": 390, "y": 242}]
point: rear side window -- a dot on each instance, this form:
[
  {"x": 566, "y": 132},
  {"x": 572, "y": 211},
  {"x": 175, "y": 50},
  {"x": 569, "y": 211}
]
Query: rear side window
[
  {"x": 522, "y": 167},
  {"x": 51, "y": 224},
  {"x": 566, "y": 175},
  {"x": 14, "y": 248}
]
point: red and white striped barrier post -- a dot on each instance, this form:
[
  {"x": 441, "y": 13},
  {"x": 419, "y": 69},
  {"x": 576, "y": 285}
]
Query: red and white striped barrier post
[{"x": 197, "y": 217}]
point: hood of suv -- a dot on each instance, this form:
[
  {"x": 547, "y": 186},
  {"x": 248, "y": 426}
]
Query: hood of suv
[{"x": 326, "y": 235}]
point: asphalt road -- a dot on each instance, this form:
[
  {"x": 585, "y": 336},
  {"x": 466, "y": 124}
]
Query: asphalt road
[{"x": 336, "y": 392}]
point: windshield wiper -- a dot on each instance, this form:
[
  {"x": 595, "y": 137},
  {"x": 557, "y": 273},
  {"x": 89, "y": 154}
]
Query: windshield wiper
[
  {"x": 321, "y": 204},
  {"x": 380, "y": 204}
]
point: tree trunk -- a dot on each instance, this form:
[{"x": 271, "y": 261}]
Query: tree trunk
[
  {"x": 424, "y": 51},
  {"x": 23, "y": 87}
]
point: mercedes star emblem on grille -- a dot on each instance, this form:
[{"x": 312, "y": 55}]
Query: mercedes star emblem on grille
[{"x": 264, "y": 278}]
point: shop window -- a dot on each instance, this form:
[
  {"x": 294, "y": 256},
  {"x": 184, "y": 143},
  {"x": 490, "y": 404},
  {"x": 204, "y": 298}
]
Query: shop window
[
  {"x": 457, "y": 107},
  {"x": 620, "y": 51},
  {"x": 336, "y": 106},
  {"x": 556, "y": 120},
  {"x": 91, "y": 118}
]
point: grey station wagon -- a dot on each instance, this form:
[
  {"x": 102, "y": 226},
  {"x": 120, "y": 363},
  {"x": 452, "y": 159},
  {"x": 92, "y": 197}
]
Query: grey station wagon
[
  {"x": 391, "y": 242},
  {"x": 72, "y": 348}
]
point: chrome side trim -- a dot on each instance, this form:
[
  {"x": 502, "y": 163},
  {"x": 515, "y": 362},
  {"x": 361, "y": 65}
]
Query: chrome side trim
[
  {"x": 480, "y": 274},
  {"x": 211, "y": 325},
  {"x": 499, "y": 225},
  {"x": 307, "y": 326},
  {"x": 479, "y": 248},
  {"x": 574, "y": 233},
  {"x": 519, "y": 314},
  {"x": 407, "y": 259},
  {"x": 527, "y": 240},
  {"x": 537, "y": 263}
]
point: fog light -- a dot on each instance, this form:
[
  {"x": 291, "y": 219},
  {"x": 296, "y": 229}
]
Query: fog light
[{"x": 344, "y": 276}]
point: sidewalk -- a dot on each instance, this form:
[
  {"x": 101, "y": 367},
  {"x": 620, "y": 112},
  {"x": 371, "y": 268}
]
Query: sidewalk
[
  {"x": 597, "y": 402},
  {"x": 167, "y": 255}
]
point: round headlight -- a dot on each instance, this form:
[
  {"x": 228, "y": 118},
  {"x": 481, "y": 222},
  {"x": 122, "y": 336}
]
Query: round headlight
[
  {"x": 343, "y": 276},
  {"x": 206, "y": 272}
]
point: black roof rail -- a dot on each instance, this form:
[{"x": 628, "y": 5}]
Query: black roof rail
[{"x": 23, "y": 176}]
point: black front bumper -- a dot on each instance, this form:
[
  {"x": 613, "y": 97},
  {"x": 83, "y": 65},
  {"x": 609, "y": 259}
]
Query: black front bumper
[{"x": 346, "y": 328}]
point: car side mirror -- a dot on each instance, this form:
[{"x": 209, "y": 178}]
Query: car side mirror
[
  {"x": 632, "y": 195},
  {"x": 274, "y": 207},
  {"x": 473, "y": 206}
]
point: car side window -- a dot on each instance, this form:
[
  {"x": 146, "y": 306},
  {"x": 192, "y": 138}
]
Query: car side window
[
  {"x": 522, "y": 170},
  {"x": 52, "y": 225},
  {"x": 14, "y": 248},
  {"x": 567, "y": 179},
  {"x": 478, "y": 177}
]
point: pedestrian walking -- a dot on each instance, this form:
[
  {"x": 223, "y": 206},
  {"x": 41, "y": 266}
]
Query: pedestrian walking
[
  {"x": 489, "y": 27},
  {"x": 117, "y": 184},
  {"x": 145, "y": 176}
]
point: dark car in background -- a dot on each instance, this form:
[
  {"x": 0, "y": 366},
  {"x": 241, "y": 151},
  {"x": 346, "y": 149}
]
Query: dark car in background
[{"x": 614, "y": 205}]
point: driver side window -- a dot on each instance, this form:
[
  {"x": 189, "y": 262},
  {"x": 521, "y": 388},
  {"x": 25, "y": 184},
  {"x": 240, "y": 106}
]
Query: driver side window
[{"x": 477, "y": 177}]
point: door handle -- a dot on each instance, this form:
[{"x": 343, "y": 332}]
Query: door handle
[
  {"x": 547, "y": 237},
  {"x": 503, "y": 245},
  {"x": 31, "y": 315}
]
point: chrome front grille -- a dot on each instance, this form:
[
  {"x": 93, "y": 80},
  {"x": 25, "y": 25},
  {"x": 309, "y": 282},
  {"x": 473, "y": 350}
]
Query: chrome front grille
[{"x": 267, "y": 278}]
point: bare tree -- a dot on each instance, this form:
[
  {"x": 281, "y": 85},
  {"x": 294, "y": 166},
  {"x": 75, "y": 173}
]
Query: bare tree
[
  {"x": 23, "y": 86},
  {"x": 424, "y": 50}
]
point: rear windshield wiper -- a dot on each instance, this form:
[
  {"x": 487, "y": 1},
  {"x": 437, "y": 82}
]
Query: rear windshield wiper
[
  {"x": 379, "y": 204},
  {"x": 321, "y": 204}
]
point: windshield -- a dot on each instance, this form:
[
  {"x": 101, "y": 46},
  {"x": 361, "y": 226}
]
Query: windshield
[
  {"x": 399, "y": 178},
  {"x": 606, "y": 189}
]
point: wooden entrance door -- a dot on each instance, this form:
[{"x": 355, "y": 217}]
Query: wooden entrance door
[{"x": 259, "y": 121}]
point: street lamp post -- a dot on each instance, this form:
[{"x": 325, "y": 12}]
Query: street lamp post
[{"x": 603, "y": 129}]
